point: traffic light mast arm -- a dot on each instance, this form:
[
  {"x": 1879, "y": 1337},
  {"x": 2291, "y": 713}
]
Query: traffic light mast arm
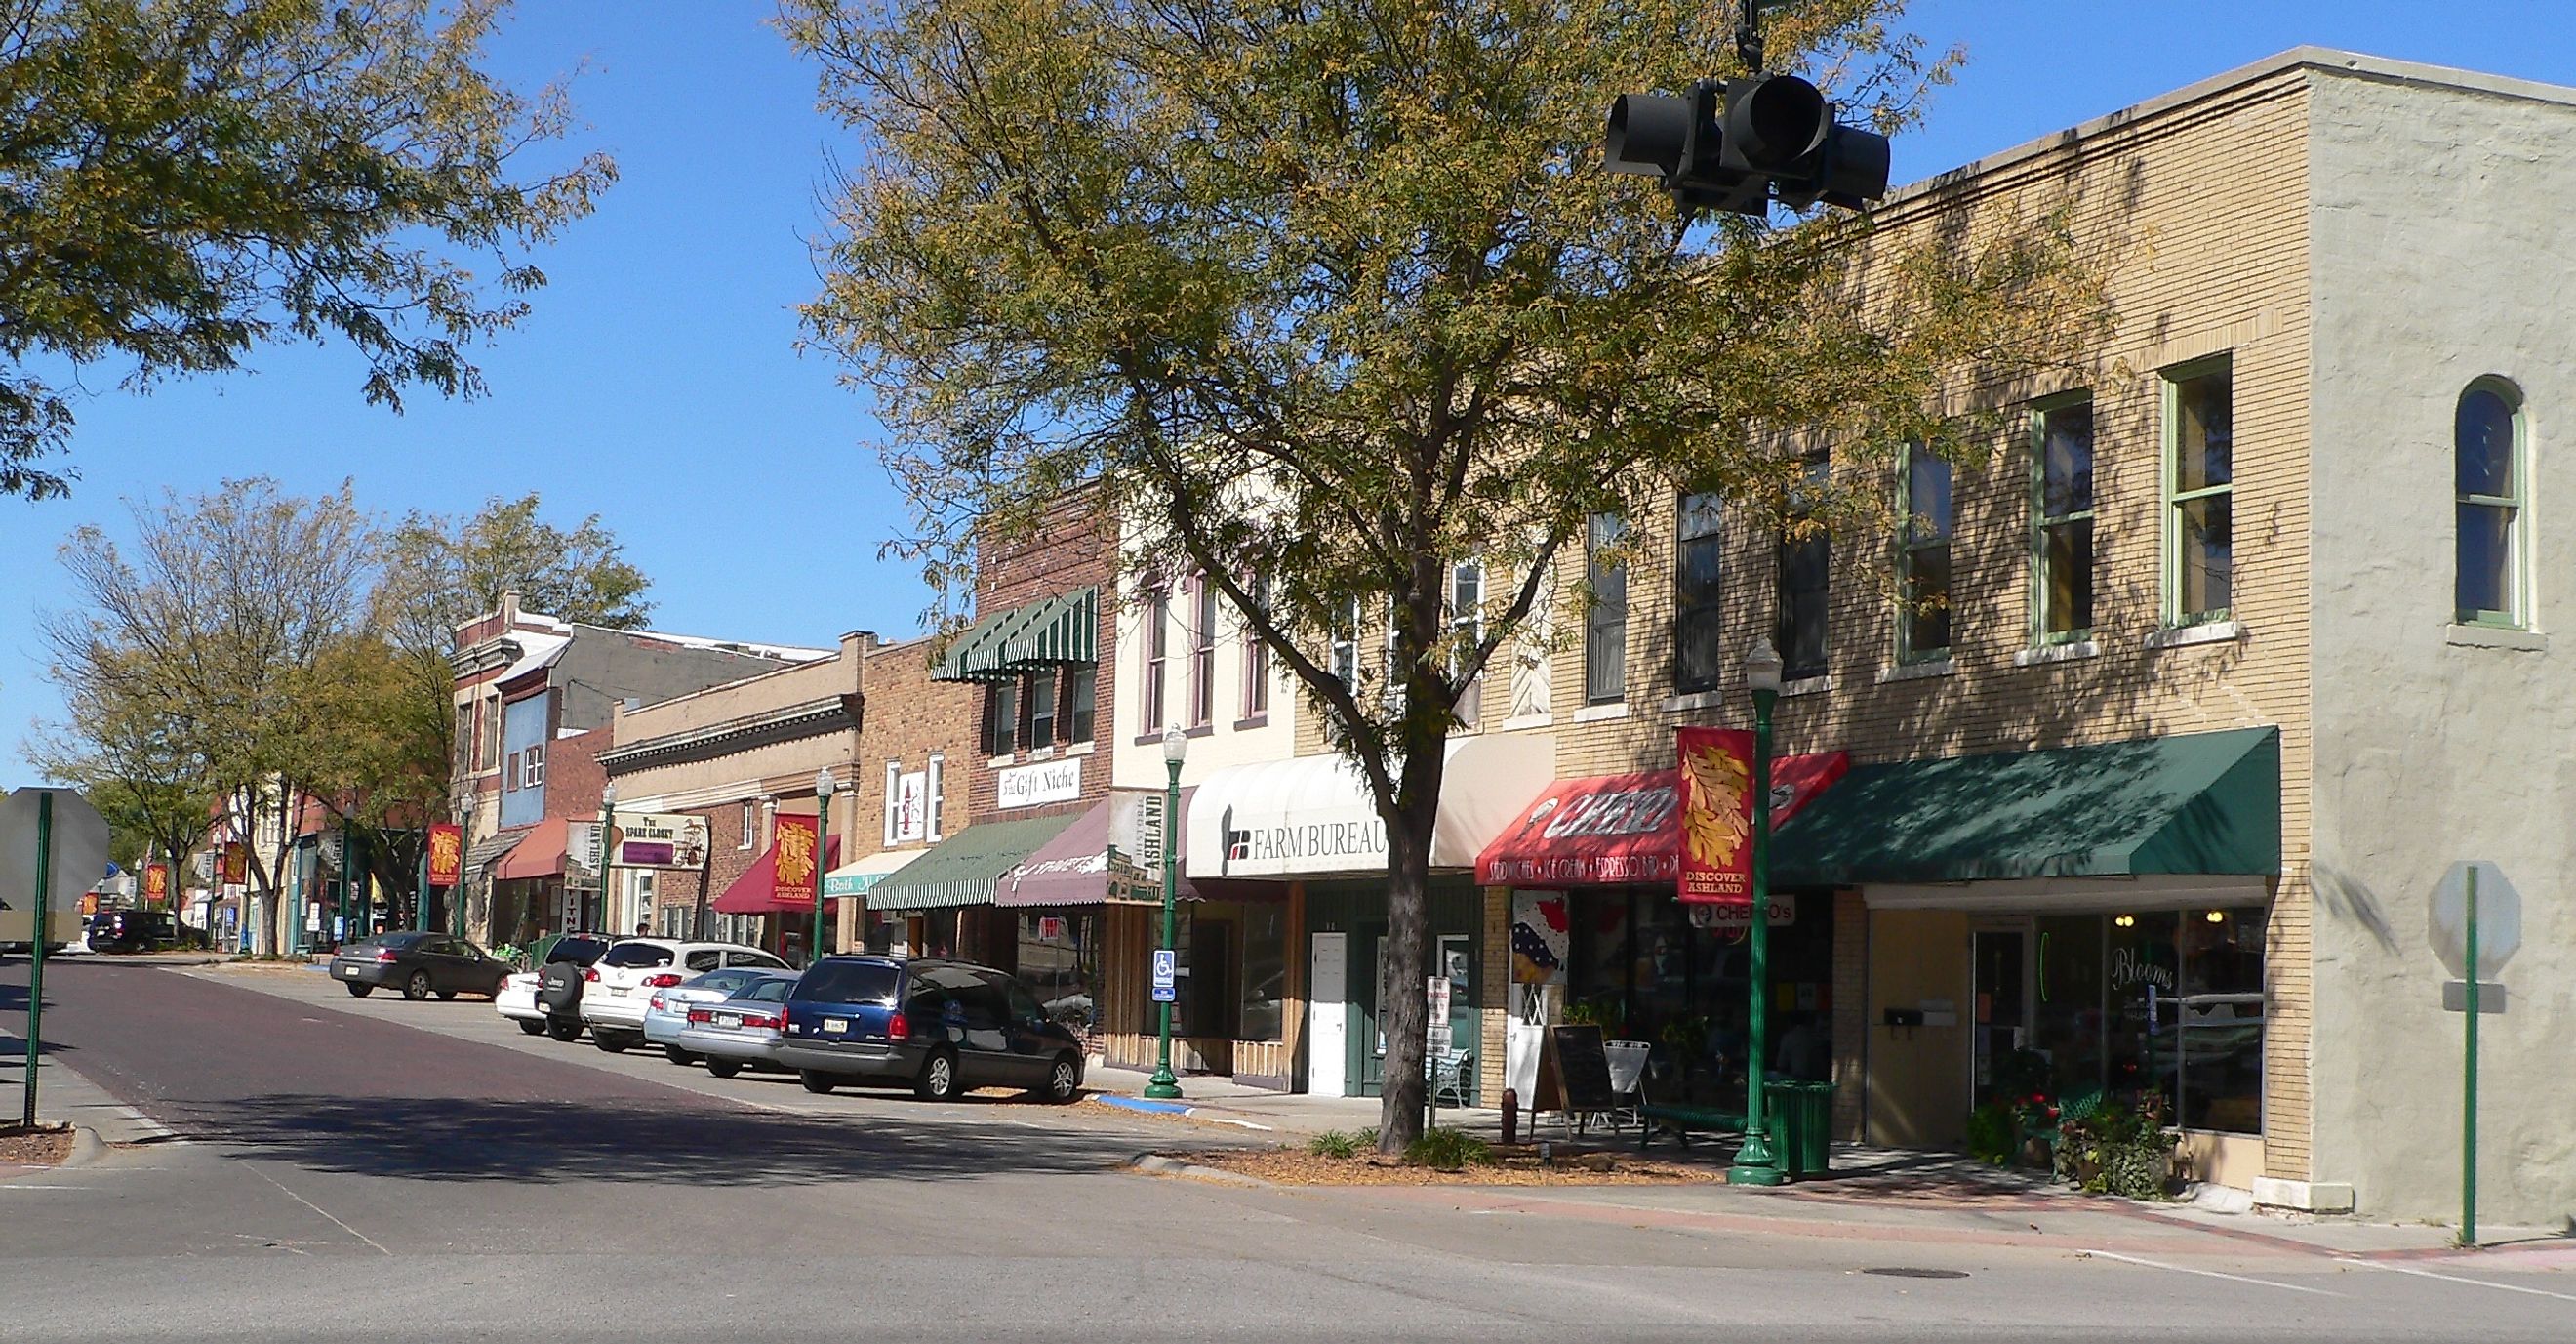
[{"x": 1748, "y": 35}]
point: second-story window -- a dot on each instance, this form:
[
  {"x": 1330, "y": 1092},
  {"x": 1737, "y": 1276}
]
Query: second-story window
[
  {"x": 935, "y": 795},
  {"x": 532, "y": 768},
  {"x": 2200, "y": 450},
  {"x": 1805, "y": 574},
  {"x": 1081, "y": 688},
  {"x": 1699, "y": 660},
  {"x": 2487, "y": 439},
  {"x": 1001, "y": 718},
  {"x": 1346, "y": 645},
  {"x": 1467, "y": 630},
  {"x": 1923, "y": 558},
  {"x": 1158, "y": 634},
  {"x": 1256, "y": 655},
  {"x": 1041, "y": 693},
  {"x": 2062, "y": 522},
  {"x": 893, "y": 804},
  {"x": 747, "y": 828},
  {"x": 1202, "y": 652},
  {"x": 1605, "y": 622}
]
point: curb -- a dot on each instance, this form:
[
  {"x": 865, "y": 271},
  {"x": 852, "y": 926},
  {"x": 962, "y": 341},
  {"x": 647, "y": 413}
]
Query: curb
[
  {"x": 1156, "y": 1164},
  {"x": 1184, "y": 1110},
  {"x": 87, "y": 1148}
]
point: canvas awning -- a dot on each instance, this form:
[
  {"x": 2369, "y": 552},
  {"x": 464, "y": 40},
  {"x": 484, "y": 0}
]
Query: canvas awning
[
  {"x": 1312, "y": 816},
  {"x": 1618, "y": 830},
  {"x": 965, "y": 868},
  {"x": 2200, "y": 803},
  {"x": 1075, "y": 868},
  {"x": 756, "y": 891},
  {"x": 540, "y": 853},
  {"x": 483, "y": 852},
  {"x": 857, "y": 876},
  {"x": 1050, "y": 632}
]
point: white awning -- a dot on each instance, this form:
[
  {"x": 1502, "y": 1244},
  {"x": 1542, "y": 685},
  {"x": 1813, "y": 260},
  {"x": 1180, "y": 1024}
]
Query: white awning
[
  {"x": 858, "y": 875},
  {"x": 1312, "y": 816}
]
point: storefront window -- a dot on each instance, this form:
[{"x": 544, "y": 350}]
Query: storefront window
[
  {"x": 1265, "y": 971},
  {"x": 1638, "y": 966},
  {"x": 2219, "y": 1021},
  {"x": 2066, "y": 1002},
  {"x": 1059, "y": 960},
  {"x": 2161, "y": 1001}
]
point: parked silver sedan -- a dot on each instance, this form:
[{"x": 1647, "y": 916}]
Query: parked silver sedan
[
  {"x": 741, "y": 1032},
  {"x": 667, "y": 1014}
]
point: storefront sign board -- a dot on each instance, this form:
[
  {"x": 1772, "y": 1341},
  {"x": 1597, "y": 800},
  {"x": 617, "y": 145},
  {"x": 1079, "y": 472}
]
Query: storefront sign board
[
  {"x": 656, "y": 840},
  {"x": 1032, "y": 785}
]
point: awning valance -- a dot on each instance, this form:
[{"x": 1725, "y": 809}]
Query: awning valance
[
  {"x": 1617, "y": 830},
  {"x": 964, "y": 868},
  {"x": 857, "y": 876},
  {"x": 756, "y": 891},
  {"x": 1312, "y": 816},
  {"x": 539, "y": 853},
  {"x": 1077, "y": 868},
  {"x": 1050, "y": 632},
  {"x": 2206, "y": 803}
]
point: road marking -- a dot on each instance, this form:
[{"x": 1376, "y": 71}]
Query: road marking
[
  {"x": 2211, "y": 1274},
  {"x": 380, "y": 1250},
  {"x": 2454, "y": 1278},
  {"x": 15, "y": 1185},
  {"x": 152, "y": 1129}
]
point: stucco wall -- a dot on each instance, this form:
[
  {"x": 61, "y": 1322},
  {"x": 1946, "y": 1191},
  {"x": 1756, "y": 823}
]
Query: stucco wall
[{"x": 2440, "y": 256}]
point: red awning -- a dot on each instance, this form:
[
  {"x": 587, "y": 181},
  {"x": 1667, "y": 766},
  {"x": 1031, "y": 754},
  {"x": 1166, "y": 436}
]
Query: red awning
[
  {"x": 540, "y": 853},
  {"x": 1618, "y": 830},
  {"x": 756, "y": 891}
]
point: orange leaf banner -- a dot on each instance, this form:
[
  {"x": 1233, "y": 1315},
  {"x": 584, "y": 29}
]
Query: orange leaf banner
[
  {"x": 1716, "y": 815},
  {"x": 446, "y": 854}
]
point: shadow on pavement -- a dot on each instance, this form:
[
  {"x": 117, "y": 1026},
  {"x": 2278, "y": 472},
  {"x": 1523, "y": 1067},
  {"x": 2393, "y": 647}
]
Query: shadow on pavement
[{"x": 538, "y": 1141}]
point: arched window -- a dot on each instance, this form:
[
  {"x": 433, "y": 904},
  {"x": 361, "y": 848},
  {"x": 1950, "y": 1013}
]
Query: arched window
[{"x": 2487, "y": 438}]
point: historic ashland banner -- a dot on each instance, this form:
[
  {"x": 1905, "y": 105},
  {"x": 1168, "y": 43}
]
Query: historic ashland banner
[
  {"x": 446, "y": 854},
  {"x": 1716, "y": 815}
]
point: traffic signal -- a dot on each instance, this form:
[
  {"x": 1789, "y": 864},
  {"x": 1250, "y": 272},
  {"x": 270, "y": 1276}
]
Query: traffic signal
[{"x": 1734, "y": 146}]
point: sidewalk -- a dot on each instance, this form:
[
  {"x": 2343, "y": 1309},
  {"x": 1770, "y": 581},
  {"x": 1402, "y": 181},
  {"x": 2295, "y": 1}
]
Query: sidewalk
[{"x": 65, "y": 1096}]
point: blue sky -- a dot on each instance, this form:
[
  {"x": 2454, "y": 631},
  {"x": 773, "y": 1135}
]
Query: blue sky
[{"x": 657, "y": 383}]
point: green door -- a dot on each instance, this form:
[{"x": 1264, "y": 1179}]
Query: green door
[{"x": 1368, "y": 1043}]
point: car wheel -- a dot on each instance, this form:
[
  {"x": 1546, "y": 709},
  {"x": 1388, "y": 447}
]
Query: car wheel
[
  {"x": 417, "y": 987},
  {"x": 564, "y": 1029},
  {"x": 532, "y": 1028},
  {"x": 356, "y": 990},
  {"x": 678, "y": 1056},
  {"x": 938, "y": 1080},
  {"x": 614, "y": 1042},
  {"x": 817, "y": 1083},
  {"x": 724, "y": 1068},
  {"x": 1063, "y": 1081}
]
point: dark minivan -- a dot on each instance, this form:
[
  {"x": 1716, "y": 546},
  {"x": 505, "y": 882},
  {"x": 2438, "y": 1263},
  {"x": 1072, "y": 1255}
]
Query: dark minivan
[{"x": 945, "y": 1027}]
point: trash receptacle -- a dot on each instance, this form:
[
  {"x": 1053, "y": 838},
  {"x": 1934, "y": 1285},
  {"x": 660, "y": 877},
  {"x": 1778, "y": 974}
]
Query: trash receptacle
[{"x": 1801, "y": 1126}]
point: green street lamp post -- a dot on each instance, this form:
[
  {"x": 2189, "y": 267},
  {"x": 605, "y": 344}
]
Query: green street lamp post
[
  {"x": 1755, "y": 1164},
  {"x": 607, "y": 850},
  {"x": 465, "y": 843},
  {"x": 823, "y": 786},
  {"x": 1176, "y": 746}
]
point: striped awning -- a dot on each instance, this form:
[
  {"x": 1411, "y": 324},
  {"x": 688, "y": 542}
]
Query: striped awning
[{"x": 1050, "y": 632}]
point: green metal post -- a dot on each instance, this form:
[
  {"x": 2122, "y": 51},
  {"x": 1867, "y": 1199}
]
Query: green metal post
[
  {"x": 607, "y": 847},
  {"x": 822, "y": 846},
  {"x": 1165, "y": 1086},
  {"x": 340, "y": 888},
  {"x": 36, "y": 953},
  {"x": 420, "y": 888},
  {"x": 2469, "y": 1093},
  {"x": 1755, "y": 1164}
]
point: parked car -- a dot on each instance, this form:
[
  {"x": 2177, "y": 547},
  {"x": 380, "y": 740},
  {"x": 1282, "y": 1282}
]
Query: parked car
[
  {"x": 945, "y": 1027},
  {"x": 131, "y": 930},
  {"x": 547, "y": 1000},
  {"x": 418, "y": 964},
  {"x": 741, "y": 1032},
  {"x": 667, "y": 1012},
  {"x": 619, "y": 986}
]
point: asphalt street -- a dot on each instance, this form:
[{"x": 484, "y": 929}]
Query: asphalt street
[{"x": 380, "y": 1170}]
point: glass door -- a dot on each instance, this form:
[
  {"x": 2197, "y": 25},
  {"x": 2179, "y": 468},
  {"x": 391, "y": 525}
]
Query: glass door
[{"x": 2000, "y": 1011}]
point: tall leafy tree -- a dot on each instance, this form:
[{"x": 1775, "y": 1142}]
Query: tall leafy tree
[
  {"x": 1335, "y": 292},
  {"x": 190, "y": 179}
]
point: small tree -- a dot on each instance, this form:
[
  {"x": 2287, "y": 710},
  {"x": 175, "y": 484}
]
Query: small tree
[
  {"x": 190, "y": 179},
  {"x": 1335, "y": 292}
]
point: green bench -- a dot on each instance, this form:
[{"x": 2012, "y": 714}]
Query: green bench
[{"x": 1683, "y": 1121}]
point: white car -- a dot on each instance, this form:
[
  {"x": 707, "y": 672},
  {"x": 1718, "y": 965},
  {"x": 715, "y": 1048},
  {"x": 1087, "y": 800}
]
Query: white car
[
  {"x": 520, "y": 1001},
  {"x": 618, "y": 988}
]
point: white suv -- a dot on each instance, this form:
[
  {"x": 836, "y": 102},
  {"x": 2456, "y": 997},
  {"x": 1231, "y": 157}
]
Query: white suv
[{"x": 619, "y": 986}]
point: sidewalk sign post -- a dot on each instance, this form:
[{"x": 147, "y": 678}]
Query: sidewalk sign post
[
  {"x": 36, "y": 954},
  {"x": 2469, "y": 1088}
]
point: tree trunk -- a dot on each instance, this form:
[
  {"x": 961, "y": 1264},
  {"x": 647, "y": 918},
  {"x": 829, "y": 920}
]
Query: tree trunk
[{"x": 1403, "y": 1006}]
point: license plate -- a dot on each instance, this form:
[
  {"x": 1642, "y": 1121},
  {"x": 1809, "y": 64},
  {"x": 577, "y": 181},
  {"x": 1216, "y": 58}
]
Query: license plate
[
  {"x": 728, "y": 1019},
  {"x": 344, "y": 970},
  {"x": 836, "y": 1024}
]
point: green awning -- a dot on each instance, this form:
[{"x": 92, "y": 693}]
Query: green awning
[
  {"x": 962, "y": 869},
  {"x": 2207, "y": 803},
  {"x": 1050, "y": 632}
]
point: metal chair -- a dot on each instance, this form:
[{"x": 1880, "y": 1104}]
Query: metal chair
[{"x": 1450, "y": 1076}]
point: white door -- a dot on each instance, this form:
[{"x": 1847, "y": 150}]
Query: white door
[{"x": 1328, "y": 1013}]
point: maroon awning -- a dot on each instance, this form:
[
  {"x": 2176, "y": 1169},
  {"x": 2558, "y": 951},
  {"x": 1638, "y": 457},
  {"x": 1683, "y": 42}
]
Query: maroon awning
[
  {"x": 1617, "y": 830},
  {"x": 1074, "y": 867}
]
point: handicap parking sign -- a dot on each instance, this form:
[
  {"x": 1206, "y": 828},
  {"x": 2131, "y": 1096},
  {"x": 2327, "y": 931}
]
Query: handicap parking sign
[{"x": 1166, "y": 975}]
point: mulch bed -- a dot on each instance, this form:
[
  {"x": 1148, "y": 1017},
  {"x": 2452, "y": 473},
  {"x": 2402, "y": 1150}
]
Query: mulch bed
[
  {"x": 1292, "y": 1166},
  {"x": 38, "y": 1147}
]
